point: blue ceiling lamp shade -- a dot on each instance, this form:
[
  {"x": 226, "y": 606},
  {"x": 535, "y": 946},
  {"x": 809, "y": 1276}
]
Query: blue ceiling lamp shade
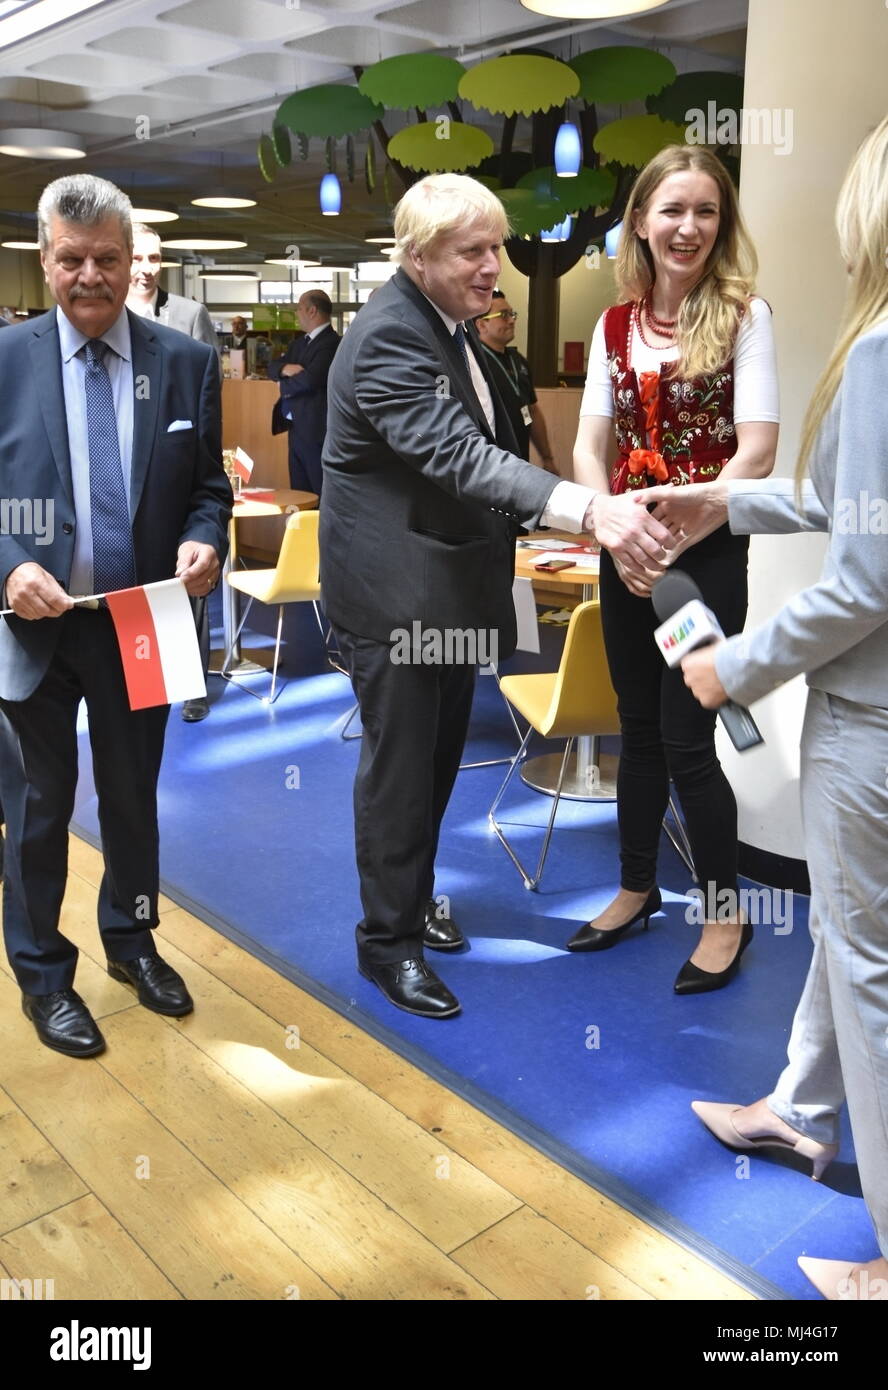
[
  {"x": 331, "y": 196},
  {"x": 612, "y": 241},
  {"x": 560, "y": 232},
  {"x": 568, "y": 151}
]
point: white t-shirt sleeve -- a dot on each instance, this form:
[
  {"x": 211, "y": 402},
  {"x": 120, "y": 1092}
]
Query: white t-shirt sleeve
[
  {"x": 598, "y": 397},
  {"x": 756, "y": 396}
]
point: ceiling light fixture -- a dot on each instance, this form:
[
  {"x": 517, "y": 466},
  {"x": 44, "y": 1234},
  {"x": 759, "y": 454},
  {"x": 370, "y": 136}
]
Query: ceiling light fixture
[
  {"x": 26, "y": 142},
  {"x": 282, "y": 260},
  {"x": 202, "y": 244},
  {"x": 241, "y": 275},
  {"x": 330, "y": 196},
  {"x": 218, "y": 198},
  {"x": 27, "y": 19},
  {"x": 158, "y": 212},
  {"x": 592, "y": 9},
  {"x": 21, "y": 245}
]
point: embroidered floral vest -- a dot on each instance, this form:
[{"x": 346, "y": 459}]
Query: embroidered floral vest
[{"x": 667, "y": 430}]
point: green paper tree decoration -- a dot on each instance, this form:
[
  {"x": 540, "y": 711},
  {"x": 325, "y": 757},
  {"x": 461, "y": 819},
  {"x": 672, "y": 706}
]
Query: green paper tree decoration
[
  {"x": 413, "y": 80},
  {"x": 268, "y": 165},
  {"x": 612, "y": 76},
  {"x": 590, "y": 188},
  {"x": 329, "y": 110},
  {"x": 636, "y": 139},
  {"x": 529, "y": 212},
  {"x": 280, "y": 138},
  {"x": 694, "y": 91},
  {"x": 519, "y": 82},
  {"x": 441, "y": 146}
]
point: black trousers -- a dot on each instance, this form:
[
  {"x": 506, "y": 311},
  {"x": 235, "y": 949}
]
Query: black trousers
[
  {"x": 666, "y": 733},
  {"x": 415, "y": 719},
  {"x": 306, "y": 471},
  {"x": 38, "y": 778}
]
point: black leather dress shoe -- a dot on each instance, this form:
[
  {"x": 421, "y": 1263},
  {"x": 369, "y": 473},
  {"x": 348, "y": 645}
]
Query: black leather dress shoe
[
  {"x": 441, "y": 933},
  {"x": 592, "y": 938},
  {"x": 410, "y": 985},
  {"x": 195, "y": 710},
  {"x": 159, "y": 986},
  {"x": 64, "y": 1023},
  {"x": 692, "y": 980}
]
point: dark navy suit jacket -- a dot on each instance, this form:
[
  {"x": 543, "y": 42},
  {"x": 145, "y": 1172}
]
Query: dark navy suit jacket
[
  {"x": 305, "y": 394},
  {"x": 179, "y": 490}
]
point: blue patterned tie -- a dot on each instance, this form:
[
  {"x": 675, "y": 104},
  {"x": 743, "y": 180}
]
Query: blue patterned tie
[
  {"x": 112, "y": 533},
  {"x": 459, "y": 334}
]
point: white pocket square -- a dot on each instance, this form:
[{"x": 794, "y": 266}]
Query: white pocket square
[{"x": 180, "y": 425}]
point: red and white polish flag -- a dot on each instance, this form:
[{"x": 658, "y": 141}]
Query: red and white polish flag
[
  {"x": 158, "y": 644},
  {"x": 243, "y": 465}
]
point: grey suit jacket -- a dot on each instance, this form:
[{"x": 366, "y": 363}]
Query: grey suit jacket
[
  {"x": 421, "y": 503},
  {"x": 187, "y": 316},
  {"x": 836, "y": 630}
]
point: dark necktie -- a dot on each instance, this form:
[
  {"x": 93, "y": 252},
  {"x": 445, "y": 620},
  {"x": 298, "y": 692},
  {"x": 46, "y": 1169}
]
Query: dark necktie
[
  {"x": 112, "y": 534},
  {"x": 459, "y": 337}
]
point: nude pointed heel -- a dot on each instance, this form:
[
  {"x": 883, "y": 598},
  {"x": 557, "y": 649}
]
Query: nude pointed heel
[{"x": 718, "y": 1119}]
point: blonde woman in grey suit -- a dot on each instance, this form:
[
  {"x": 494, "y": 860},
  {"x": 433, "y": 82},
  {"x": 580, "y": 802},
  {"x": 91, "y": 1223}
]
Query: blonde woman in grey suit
[{"x": 837, "y": 632}]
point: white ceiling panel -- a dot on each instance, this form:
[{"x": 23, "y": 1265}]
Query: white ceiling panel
[
  {"x": 255, "y": 21},
  {"x": 173, "y": 47},
  {"x": 281, "y": 72},
  {"x": 94, "y": 70},
  {"x": 352, "y": 45}
]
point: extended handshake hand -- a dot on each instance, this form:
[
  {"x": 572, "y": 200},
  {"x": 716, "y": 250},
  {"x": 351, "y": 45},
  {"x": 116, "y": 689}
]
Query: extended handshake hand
[{"x": 646, "y": 530}]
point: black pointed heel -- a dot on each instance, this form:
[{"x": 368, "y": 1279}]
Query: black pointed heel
[
  {"x": 692, "y": 980},
  {"x": 590, "y": 938}
]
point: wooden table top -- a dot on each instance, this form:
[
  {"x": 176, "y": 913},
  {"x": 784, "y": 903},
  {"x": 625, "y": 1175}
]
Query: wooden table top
[
  {"x": 584, "y": 571},
  {"x": 286, "y": 499}
]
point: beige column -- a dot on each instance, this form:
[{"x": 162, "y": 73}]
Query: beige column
[{"x": 820, "y": 69}]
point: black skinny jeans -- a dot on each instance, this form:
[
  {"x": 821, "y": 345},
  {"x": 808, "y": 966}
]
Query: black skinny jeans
[{"x": 666, "y": 733}]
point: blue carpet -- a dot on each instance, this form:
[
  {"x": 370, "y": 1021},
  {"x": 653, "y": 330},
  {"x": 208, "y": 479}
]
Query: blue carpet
[{"x": 592, "y": 1059}]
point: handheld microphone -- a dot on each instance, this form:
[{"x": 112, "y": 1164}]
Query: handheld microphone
[{"x": 686, "y": 624}]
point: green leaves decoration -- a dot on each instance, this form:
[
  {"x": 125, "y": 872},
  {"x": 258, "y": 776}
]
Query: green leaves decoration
[
  {"x": 268, "y": 165},
  {"x": 440, "y": 146},
  {"x": 370, "y": 166},
  {"x": 636, "y": 139},
  {"x": 519, "y": 82},
  {"x": 329, "y": 110},
  {"x": 330, "y": 154},
  {"x": 350, "y": 158},
  {"x": 612, "y": 76},
  {"x": 280, "y": 139},
  {"x": 591, "y": 188},
  {"x": 414, "y": 79},
  {"x": 530, "y": 212},
  {"x": 694, "y": 91}
]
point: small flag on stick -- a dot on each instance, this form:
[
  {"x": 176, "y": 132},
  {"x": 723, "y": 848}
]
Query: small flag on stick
[
  {"x": 158, "y": 644},
  {"x": 243, "y": 465}
]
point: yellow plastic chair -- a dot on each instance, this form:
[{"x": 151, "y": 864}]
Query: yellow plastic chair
[
  {"x": 577, "y": 699},
  {"x": 294, "y": 579}
]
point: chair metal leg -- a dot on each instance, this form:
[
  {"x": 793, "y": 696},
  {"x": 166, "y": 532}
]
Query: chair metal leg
[
  {"x": 343, "y": 731},
  {"x": 277, "y": 653},
  {"x": 497, "y": 762},
  {"x": 679, "y": 838},
  {"x": 530, "y": 881},
  {"x": 226, "y": 665}
]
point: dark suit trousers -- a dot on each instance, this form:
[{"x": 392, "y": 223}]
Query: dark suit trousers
[
  {"x": 38, "y": 778},
  {"x": 415, "y": 720},
  {"x": 306, "y": 472}
]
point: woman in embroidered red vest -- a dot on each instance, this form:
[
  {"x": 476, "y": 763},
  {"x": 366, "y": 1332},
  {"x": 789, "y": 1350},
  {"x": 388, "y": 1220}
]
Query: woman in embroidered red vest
[{"x": 684, "y": 370}]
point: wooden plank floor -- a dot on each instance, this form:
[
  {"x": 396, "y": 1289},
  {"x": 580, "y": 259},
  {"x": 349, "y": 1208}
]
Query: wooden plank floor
[{"x": 265, "y": 1148}]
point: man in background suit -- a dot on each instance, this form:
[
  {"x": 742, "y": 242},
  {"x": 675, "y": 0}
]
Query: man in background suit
[
  {"x": 302, "y": 373},
  {"x": 146, "y": 297},
  {"x": 423, "y": 499},
  {"x": 113, "y": 434}
]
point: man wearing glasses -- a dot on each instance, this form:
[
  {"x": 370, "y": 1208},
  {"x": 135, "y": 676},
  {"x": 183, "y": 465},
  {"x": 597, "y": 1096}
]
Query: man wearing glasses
[{"x": 496, "y": 330}]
